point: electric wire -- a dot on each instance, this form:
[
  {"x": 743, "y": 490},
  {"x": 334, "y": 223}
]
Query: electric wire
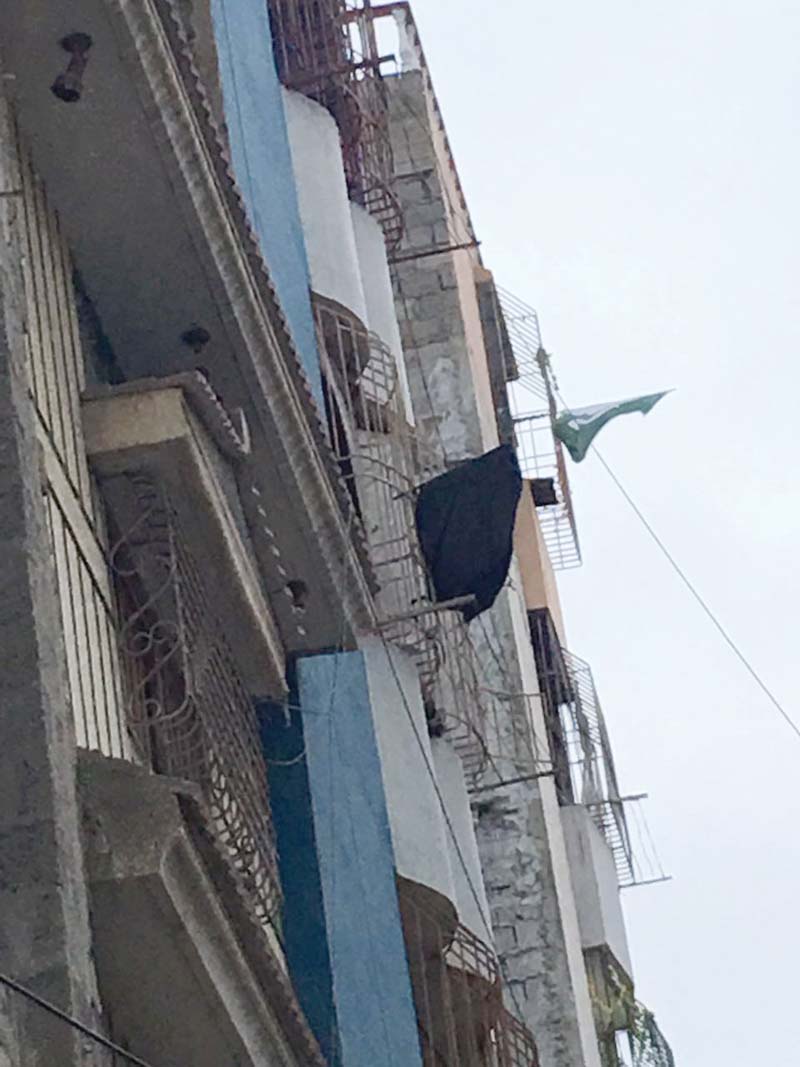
[
  {"x": 70, "y": 1020},
  {"x": 450, "y": 828},
  {"x": 697, "y": 596},
  {"x": 409, "y": 714}
]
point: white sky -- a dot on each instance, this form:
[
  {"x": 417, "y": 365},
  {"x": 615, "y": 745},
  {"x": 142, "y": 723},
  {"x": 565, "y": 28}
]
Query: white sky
[{"x": 633, "y": 171}]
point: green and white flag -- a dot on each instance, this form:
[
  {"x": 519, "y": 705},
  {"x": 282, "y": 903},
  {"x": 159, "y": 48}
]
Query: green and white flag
[{"x": 577, "y": 429}]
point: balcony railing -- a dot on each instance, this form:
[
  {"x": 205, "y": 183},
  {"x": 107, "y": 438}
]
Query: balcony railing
[
  {"x": 541, "y": 455},
  {"x": 627, "y": 1032},
  {"x": 187, "y": 710},
  {"x": 458, "y": 995},
  {"x": 382, "y": 464},
  {"x": 583, "y": 762},
  {"x": 328, "y": 51}
]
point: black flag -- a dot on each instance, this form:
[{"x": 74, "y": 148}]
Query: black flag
[{"x": 465, "y": 525}]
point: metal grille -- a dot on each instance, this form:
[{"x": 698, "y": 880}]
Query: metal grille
[
  {"x": 188, "y": 711},
  {"x": 592, "y": 766},
  {"x": 382, "y": 463},
  {"x": 328, "y": 51},
  {"x": 458, "y": 996},
  {"x": 522, "y": 326},
  {"x": 580, "y": 747},
  {"x": 509, "y": 747},
  {"x": 540, "y": 453}
]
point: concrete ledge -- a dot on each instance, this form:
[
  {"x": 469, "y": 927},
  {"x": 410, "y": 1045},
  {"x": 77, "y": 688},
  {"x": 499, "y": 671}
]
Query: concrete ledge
[{"x": 186, "y": 974}]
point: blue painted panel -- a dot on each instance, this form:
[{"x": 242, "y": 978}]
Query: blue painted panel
[
  {"x": 371, "y": 984},
  {"x": 303, "y": 932},
  {"x": 262, "y": 162}
]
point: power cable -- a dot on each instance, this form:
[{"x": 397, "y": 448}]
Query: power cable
[
  {"x": 70, "y": 1020},
  {"x": 450, "y": 828},
  {"x": 729, "y": 641}
]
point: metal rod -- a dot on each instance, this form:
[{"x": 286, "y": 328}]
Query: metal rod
[
  {"x": 444, "y": 605},
  {"x": 433, "y": 252},
  {"x": 87, "y": 1031},
  {"x": 648, "y": 881},
  {"x": 512, "y": 781}
]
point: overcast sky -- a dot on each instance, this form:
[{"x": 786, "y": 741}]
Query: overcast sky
[{"x": 633, "y": 171}]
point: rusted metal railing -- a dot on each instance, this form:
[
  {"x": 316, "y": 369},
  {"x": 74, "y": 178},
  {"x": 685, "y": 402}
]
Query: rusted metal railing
[
  {"x": 458, "y": 995},
  {"x": 328, "y": 51},
  {"x": 382, "y": 464},
  {"x": 188, "y": 712}
]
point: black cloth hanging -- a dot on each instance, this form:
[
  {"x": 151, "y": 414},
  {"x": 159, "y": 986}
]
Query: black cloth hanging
[{"x": 465, "y": 525}]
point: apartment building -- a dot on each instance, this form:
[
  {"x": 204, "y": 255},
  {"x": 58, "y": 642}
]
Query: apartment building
[{"x": 269, "y": 796}]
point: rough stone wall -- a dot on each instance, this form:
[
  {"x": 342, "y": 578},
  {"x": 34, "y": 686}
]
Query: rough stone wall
[
  {"x": 44, "y": 929},
  {"x": 427, "y": 298},
  {"x": 9, "y": 1045},
  {"x": 513, "y": 845}
]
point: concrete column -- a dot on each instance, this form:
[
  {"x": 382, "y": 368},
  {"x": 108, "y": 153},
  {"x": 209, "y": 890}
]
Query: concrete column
[
  {"x": 342, "y": 926},
  {"x": 44, "y": 926}
]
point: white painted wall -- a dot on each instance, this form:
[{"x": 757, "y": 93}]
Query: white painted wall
[
  {"x": 594, "y": 882},
  {"x": 471, "y": 902},
  {"x": 344, "y": 244},
  {"x": 377, "y": 285},
  {"x": 323, "y": 202},
  {"x": 419, "y": 834}
]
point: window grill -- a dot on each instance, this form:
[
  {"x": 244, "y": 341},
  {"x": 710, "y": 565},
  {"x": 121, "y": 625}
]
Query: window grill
[
  {"x": 328, "y": 51},
  {"x": 187, "y": 709},
  {"x": 458, "y": 995}
]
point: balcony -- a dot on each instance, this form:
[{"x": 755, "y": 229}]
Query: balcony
[
  {"x": 541, "y": 455},
  {"x": 627, "y": 1032},
  {"x": 332, "y": 56},
  {"x": 160, "y": 237},
  {"x": 381, "y": 463},
  {"x": 458, "y": 993},
  {"x": 177, "y": 431},
  {"x": 583, "y": 761},
  {"x": 195, "y": 637}
]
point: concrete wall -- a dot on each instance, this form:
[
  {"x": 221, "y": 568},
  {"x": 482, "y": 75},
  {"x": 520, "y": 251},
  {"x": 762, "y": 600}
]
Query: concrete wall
[
  {"x": 594, "y": 880},
  {"x": 338, "y": 869},
  {"x": 381, "y": 314},
  {"x": 432, "y": 288},
  {"x": 419, "y": 835},
  {"x": 470, "y": 894},
  {"x": 519, "y": 830},
  {"x": 538, "y": 579},
  {"x": 528, "y": 883},
  {"x": 345, "y": 245},
  {"x": 324, "y": 205},
  {"x": 259, "y": 147},
  {"x": 44, "y": 925}
]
